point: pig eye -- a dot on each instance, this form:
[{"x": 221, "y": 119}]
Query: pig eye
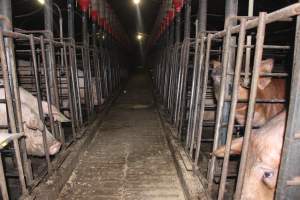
[{"x": 268, "y": 174}]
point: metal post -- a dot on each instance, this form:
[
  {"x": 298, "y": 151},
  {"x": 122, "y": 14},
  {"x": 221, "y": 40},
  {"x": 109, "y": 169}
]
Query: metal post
[
  {"x": 177, "y": 29},
  {"x": 48, "y": 20},
  {"x": 39, "y": 101},
  {"x": 48, "y": 15},
  {"x": 85, "y": 40},
  {"x": 202, "y": 16},
  {"x": 71, "y": 21},
  {"x": 248, "y": 50},
  {"x": 288, "y": 186},
  {"x": 3, "y": 184},
  {"x": 8, "y": 46},
  {"x": 187, "y": 19},
  {"x": 260, "y": 36},
  {"x": 231, "y": 9},
  {"x": 236, "y": 83}
]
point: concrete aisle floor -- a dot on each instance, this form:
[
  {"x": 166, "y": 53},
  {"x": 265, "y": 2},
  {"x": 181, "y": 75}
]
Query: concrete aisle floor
[{"x": 129, "y": 157}]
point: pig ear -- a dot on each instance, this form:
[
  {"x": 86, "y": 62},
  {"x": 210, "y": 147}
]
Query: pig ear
[
  {"x": 58, "y": 116},
  {"x": 236, "y": 148},
  {"x": 265, "y": 67},
  {"x": 215, "y": 64}
]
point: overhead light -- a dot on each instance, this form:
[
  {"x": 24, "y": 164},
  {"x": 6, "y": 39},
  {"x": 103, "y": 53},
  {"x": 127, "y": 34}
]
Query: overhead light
[
  {"x": 136, "y": 2},
  {"x": 139, "y": 36},
  {"x": 41, "y": 1}
]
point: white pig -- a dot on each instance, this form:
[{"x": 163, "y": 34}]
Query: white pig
[
  {"x": 33, "y": 126},
  {"x": 263, "y": 158}
]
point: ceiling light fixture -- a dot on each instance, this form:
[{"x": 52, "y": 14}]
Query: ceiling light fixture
[
  {"x": 136, "y": 2},
  {"x": 139, "y": 36},
  {"x": 41, "y": 1}
]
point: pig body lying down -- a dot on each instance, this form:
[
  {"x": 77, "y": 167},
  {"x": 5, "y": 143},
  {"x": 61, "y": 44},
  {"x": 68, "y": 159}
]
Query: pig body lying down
[
  {"x": 263, "y": 158},
  {"x": 33, "y": 126}
]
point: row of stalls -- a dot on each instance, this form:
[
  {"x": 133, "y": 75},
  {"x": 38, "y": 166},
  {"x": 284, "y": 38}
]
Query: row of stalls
[
  {"x": 228, "y": 84},
  {"x": 52, "y": 88}
]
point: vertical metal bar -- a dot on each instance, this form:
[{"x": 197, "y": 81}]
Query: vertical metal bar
[
  {"x": 248, "y": 50},
  {"x": 199, "y": 90},
  {"x": 70, "y": 93},
  {"x": 193, "y": 90},
  {"x": 73, "y": 86},
  {"x": 39, "y": 101},
  {"x": 260, "y": 36},
  {"x": 220, "y": 104},
  {"x": 51, "y": 62},
  {"x": 187, "y": 19},
  {"x": 8, "y": 48},
  {"x": 3, "y": 181},
  {"x": 289, "y": 165},
  {"x": 177, "y": 29},
  {"x": 19, "y": 166},
  {"x": 234, "y": 100},
  {"x": 85, "y": 58},
  {"x": 74, "y": 58},
  {"x": 202, "y": 15},
  {"x": 231, "y": 9},
  {"x": 48, "y": 92},
  {"x": 71, "y": 21},
  {"x": 202, "y": 83}
]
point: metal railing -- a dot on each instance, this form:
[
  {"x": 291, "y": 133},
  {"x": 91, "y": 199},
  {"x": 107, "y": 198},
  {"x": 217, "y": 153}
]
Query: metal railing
[{"x": 171, "y": 81}]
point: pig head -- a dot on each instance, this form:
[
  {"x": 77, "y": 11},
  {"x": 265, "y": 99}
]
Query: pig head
[
  {"x": 263, "y": 158},
  {"x": 268, "y": 88}
]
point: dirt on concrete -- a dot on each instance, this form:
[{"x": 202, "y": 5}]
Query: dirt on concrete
[{"x": 129, "y": 157}]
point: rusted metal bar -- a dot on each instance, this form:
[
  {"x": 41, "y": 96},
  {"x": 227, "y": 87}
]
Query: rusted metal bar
[
  {"x": 260, "y": 36},
  {"x": 220, "y": 105},
  {"x": 231, "y": 121},
  {"x": 285, "y": 12},
  {"x": 288, "y": 177}
]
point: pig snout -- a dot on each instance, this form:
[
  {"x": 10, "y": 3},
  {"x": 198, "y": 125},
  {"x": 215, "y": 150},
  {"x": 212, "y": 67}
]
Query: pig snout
[
  {"x": 35, "y": 144},
  {"x": 54, "y": 148}
]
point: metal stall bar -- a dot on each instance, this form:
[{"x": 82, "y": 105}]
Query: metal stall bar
[
  {"x": 76, "y": 97},
  {"x": 12, "y": 122},
  {"x": 231, "y": 10},
  {"x": 193, "y": 90},
  {"x": 197, "y": 126},
  {"x": 3, "y": 185},
  {"x": 48, "y": 92},
  {"x": 39, "y": 101},
  {"x": 260, "y": 36},
  {"x": 220, "y": 106},
  {"x": 70, "y": 91},
  {"x": 10, "y": 77},
  {"x": 236, "y": 82},
  {"x": 288, "y": 178}
]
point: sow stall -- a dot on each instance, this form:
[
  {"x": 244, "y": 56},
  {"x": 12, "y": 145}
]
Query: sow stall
[{"x": 205, "y": 117}]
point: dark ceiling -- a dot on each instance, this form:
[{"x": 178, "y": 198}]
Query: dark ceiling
[
  {"x": 128, "y": 13},
  {"x": 129, "y": 17}
]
